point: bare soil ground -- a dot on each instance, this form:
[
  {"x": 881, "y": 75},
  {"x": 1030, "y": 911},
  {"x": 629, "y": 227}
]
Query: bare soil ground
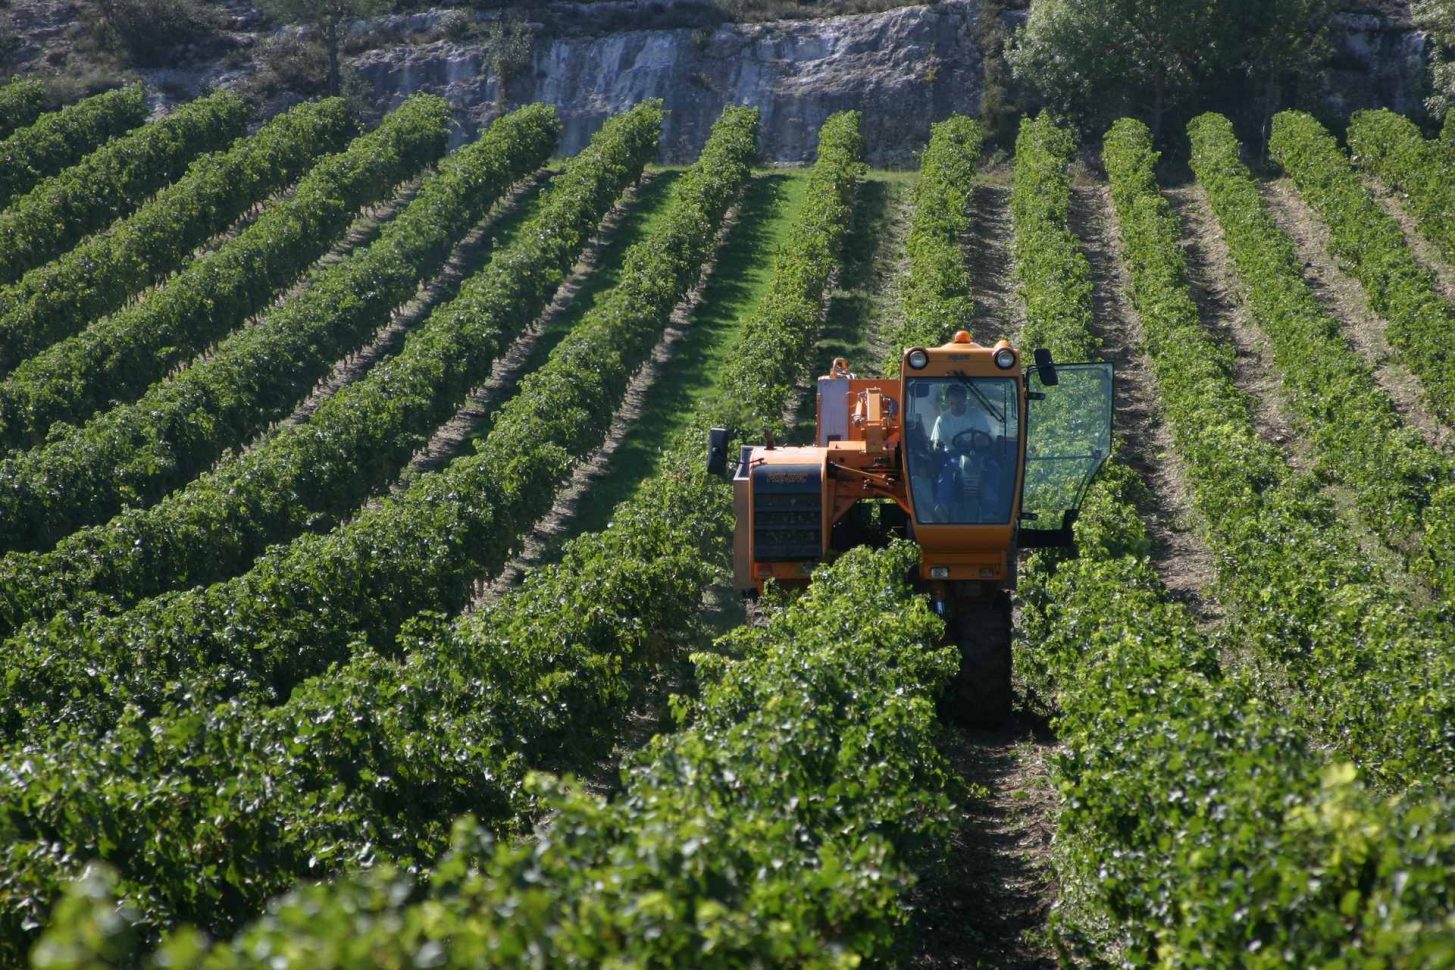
[
  {"x": 469, "y": 254},
  {"x": 987, "y": 905},
  {"x": 1343, "y": 297},
  {"x": 1220, "y": 302},
  {"x": 452, "y": 438},
  {"x": 1181, "y": 559},
  {"x": 988, "y": 251},
  {"x": 1427, "y": 254},
  {"x": 1220, "y": 297}
]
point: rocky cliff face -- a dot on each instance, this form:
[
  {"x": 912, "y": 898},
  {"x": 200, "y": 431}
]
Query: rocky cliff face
[
  {"x": 1379, "y": 62},
  {"x": 903, "y": 69}
]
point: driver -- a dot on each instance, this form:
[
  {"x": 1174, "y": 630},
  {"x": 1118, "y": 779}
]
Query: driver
[
  {"x": 958, "y": 419},
  {"x": 960, "y": 422}
]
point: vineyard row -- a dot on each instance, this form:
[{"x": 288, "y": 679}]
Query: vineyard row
[
  {"x": 1199, "y": 829},
  {"x": 134, "y": 454},
  {"x": 98, "y": 276},
  {"x": 321, "y": 469},
  {"x": 615, "y": 592},
  {"x": 115, "y": 359},
  {"x": 1367, "y": 669}
]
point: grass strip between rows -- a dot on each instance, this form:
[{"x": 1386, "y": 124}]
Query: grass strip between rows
[
  {"x": 134, "y": 454},
  {"x": 1369, "y": 672},
  {"x": 1197, "y": 828},
  {"x": 107, "y": 269},
  {"x": 1370, "y": 244},
  {"x": 935, "y": 292},
  {"x": 112, "y": 181},
  {"x": 61, "y": 138},
  {"x": 323, "y": 468},
  {"x": 542, "y": 678}
]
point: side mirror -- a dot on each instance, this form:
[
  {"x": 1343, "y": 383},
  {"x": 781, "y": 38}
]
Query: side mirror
[
  {"x": 717, "y": 443},
  {"x": 1046, "y": 367}
]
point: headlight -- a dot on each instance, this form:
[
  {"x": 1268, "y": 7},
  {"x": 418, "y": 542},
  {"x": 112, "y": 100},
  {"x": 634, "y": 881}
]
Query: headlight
[
  {"x": 918, "y": 359},
  {"x": 1005, "y": 358}
]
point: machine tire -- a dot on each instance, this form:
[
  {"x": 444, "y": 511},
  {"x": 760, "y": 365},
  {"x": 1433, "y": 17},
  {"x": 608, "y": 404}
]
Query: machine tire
[{"x": 980, "y": 694}]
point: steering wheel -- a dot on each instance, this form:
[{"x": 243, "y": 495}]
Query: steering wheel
[{"x": 971, "y": 440}]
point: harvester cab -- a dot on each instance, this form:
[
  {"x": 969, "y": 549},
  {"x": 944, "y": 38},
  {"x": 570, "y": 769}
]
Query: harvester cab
[{"x": 969, "y": 453}]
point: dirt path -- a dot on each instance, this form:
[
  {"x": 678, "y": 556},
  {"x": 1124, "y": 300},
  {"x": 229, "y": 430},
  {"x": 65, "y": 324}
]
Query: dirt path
[
  {"x": 470, "y": 421},
  {"x": 1179, "y": 556},
  {"x": 998, "y": 311},
  {"x": 1220, "y": 302},
  {"x": 1343, "y": 297},
  {"x": 471, "y": 253},
  {"x": 1427, "y": 254},
  {"x": 988, "y": 906}
]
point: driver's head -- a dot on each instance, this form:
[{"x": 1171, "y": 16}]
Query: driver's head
[{"x": 955, "y": 397}]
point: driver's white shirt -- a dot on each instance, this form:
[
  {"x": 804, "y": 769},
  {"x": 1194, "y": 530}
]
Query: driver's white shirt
[{"x": 949, "y": 424}]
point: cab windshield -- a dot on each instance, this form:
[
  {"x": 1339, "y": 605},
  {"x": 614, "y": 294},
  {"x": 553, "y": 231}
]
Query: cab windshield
[{"x": 961, "y": 441}]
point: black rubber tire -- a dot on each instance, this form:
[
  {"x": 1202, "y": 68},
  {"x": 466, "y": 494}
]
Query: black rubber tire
[{"x": 980, "y": 695}]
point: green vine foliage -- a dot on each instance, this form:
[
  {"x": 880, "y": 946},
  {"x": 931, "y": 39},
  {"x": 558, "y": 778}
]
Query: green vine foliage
[
  {"x": 785, "y": 321},
  {"x": 1390, "y": 147},
  {"x": 1357, "y": 435},
  {"x": 134, "y": 454},
  {"x": 1369, "y": 672},
  {"x": 314, "y": 473},
  {"x": 61, "y": 138},
  {"x": 542, "y": 678},
  {"x": 1371, "y": 245},
  {"x": 1053, "y": 276},
  {"x": 1197, "y": 826},
  {"x": 112, "y": 181},
  {"x": 116, "y": 358},
  {"x": 306, "y": 604},
  {"x": 776, "y": 829},
  {"x": 107, "y": 269},
  {"x": 21, "y": 102},
  {"x": 936, "y": 289}
]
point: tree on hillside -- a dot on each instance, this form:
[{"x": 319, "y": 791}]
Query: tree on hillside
[
  {"x": 1088, "y": 57},
  {"x": 1438, "y": 17},
  {"x": 326, "y": 16},
  {"x": 1281, "y": 41},
  {"x": 507, "y": 46}
]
